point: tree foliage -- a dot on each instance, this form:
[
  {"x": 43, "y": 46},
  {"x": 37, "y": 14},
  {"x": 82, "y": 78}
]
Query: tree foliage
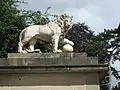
[
  {"x": 11, "y": 22},
  {"x": 35, "y": 17},
  {"x": 80, "y": 35},
  {"x": 85, "y": 41}
]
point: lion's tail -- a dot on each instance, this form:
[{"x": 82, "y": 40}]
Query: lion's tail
[
  {"x": 21, "y": 35},
  {"x": 20, "y": 39}
]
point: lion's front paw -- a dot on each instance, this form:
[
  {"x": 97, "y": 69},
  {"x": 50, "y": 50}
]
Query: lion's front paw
[
  {"x": 71, "y": 43},
  {"x": 38, "y": 51},
  {"x": 68, "y": 41},
  {"x": 59, "y": 50},
  {"x": 24, "y": 51}
]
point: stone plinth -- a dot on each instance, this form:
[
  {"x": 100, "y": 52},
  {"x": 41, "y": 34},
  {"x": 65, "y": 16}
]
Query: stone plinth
[{"x": 50, "y": 71}]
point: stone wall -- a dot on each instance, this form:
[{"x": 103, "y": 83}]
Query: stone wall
[
  {"x": 50, "y": 72},
  {"x": 50, "y": 81}
]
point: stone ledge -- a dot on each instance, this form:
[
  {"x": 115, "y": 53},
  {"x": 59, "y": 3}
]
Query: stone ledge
[
  {"x": 50, "y": 62},
  {"x": 41, "y": 69},
  {"x": 46, "y": 55},
  {"x": 37, "y": 59},
  {"x": 44, "y": 62}
]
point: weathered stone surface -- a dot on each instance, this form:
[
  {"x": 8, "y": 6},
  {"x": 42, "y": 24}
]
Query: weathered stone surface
[
  {"x": 46, "y": 55},
  {"x": 50, "y": 71},
  {"x": 50, "y": 62},
  {"x": 34, "y": 69},
  {"x": 38, "y": 59},
  {"x": 50, "y": 81}
]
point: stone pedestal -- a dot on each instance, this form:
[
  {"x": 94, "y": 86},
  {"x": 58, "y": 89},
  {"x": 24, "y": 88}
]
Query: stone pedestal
[{"x": 50, "y": 71}]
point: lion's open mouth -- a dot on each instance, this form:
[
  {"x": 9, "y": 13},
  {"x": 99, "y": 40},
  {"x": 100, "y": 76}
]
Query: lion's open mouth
[{"x": 67, "y": 26}]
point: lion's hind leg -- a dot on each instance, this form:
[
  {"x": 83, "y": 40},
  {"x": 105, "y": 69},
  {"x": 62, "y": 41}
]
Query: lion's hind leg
[
  {"x": 32, "y": 44},
  {"x": 22, "y": 43}
]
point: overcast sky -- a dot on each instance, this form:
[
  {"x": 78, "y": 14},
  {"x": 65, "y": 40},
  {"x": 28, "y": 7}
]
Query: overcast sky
[{"x": 97, "y": 14}]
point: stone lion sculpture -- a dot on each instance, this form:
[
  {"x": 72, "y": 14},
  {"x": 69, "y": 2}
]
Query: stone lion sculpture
[{"x": 50, "y": 32}]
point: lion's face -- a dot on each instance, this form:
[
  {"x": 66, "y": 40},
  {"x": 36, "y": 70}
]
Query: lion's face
[
  {"x": 68, "y": 22},
  {"x": 65, "y": 21}
]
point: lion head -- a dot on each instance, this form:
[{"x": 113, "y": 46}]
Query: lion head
[{"x": 64, "y": 21}]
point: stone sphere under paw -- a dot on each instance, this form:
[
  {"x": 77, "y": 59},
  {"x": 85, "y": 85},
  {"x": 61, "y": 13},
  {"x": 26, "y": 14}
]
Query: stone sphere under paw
[{"x": 67, "y": 48}]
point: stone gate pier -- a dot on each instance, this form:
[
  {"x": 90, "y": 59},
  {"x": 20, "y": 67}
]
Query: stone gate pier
[{"x": 50, "y": 71}]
